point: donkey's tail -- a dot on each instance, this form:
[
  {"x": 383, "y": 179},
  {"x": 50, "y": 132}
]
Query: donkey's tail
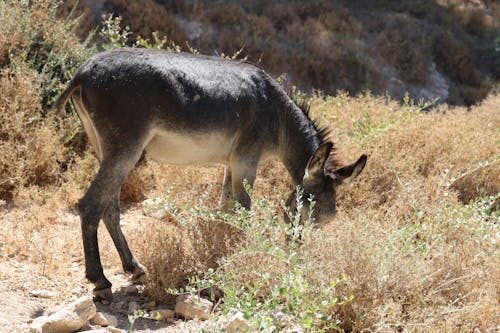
[{"x": 61, "y": 101}]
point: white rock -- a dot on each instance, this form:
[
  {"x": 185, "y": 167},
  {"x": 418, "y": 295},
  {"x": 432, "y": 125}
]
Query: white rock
[
  {"x": 67, "y": 319},
  {"x": 160, "y": 314},
  {"x": 237, "y": 324},
  {"x": 191, "y": 307},
  {"x": 104, "y": 319},
  {"x": 42, "y": 293}
]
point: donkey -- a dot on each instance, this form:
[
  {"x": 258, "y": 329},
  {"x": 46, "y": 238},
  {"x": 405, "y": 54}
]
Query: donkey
[{"x": 190, "y": 109}]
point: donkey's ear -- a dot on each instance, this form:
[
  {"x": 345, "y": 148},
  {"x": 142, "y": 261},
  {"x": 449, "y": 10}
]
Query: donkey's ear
[
  {"x": 316, "y": 165},
  {"x": 349, "y": 172}
]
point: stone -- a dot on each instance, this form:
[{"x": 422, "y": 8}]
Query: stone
[
  {"x": 118, "y": 306},
  {"x": 161, "y": 314},
  {"x": 112, "y": 329},
  {"x": 191, "y": 307},
  {"x": 86, "y": 327},
  {"x": 132, "y": 290},
  {"x": 42, "y": 293},
  {"x": 66, "y": 319},
  {"x": 237, "y": 324},
  {"x": 104, "y": 319}
]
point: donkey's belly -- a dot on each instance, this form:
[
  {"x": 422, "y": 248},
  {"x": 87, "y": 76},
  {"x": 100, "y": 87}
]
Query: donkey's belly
[{"x": 190, "y": 149}]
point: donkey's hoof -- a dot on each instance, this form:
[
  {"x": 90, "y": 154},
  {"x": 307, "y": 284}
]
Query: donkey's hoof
[
  {"x": 103, "y": 295},
  {"x": 138, "y": 277}
]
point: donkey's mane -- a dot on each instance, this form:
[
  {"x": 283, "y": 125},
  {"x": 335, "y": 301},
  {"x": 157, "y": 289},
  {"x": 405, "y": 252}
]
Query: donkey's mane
[{"x": 323, "y": 133}]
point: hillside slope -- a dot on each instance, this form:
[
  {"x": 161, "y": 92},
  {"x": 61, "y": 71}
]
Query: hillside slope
[{"x": 446, "y": 49}]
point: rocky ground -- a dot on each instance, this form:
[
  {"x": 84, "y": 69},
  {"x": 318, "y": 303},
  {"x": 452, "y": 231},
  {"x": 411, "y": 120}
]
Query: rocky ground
[{"x": 32, "y": 301}]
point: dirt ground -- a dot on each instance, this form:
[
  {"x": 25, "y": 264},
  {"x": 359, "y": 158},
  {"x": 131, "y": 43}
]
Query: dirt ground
[{"x": 18, "y": 305}]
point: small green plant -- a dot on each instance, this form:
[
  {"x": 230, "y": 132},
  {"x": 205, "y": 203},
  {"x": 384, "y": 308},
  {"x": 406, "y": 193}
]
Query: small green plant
[
  {"x": 112, "y": 33},
  {"x": 157, "y": 43},
  {"x": 264, "y": 278},
  {"x": 410, "y": 106},
  {"x": 365, "y": 130},
  {"x": 136, "y": 315},
  {"x": 113, "y": 36},
  {"x": 235, "y": 56}
]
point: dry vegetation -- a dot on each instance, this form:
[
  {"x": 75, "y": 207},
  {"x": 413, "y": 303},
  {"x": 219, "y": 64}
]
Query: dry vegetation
[
  {"x": 414, "y": 246},
  {"x": 415, "y": 257}
]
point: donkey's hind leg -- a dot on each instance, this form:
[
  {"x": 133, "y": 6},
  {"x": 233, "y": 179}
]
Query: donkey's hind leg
[
  {"x": 101, "y": 194},
  {"x": 111, "y": 219}
]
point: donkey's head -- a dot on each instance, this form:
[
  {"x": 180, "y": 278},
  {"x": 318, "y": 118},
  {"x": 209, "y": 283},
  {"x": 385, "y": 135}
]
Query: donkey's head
[{"x": 320, "y": 182}]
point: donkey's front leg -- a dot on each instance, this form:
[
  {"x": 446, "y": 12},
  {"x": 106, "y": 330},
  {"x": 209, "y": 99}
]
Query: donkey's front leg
[
  {"x": 226, "y": 202},
  {"x": 243, "y": 170}
]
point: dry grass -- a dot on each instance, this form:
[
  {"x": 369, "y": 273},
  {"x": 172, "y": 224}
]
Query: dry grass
[
  {"x": 175, "y": 251},
  {"x": 35, "y": 55},
  {"x": 415, "y": 257}
]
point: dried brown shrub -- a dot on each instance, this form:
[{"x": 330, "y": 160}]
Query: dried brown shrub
[
  {"x": 146, "y": 17},
  {"x": 400, "y": 205},
  {"x": 404, "y": 44},
  {"x": 341, "y": 21},
  {"x": 169, "y": 256},
  {"x": 455, "y": 58},
  {"x": 138, "y": 182},
  {"x": 419, "y": 148},
  {"x": 224, "y": 14},
  {"x": 30, "y": 144},
  {"x": 481, "y": 181},
  {"x": 174, "y": 252},
  {"x": 280, "y": 14},
  {"x": 10, "y": 31},
  {"x": 86, "y": 16}
]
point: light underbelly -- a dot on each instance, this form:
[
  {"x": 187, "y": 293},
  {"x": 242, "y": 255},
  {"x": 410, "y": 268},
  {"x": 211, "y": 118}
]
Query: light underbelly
[{"x": 190, "y": 149}]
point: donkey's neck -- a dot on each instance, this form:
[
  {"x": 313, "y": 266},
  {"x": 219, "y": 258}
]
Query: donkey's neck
[{"x": 299, "y": 138}]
